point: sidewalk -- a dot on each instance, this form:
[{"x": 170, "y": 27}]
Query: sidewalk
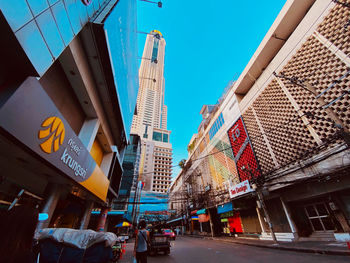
[{"x": 320, "y": 247}]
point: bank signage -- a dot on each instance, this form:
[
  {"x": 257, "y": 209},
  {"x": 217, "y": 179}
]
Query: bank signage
[
  {"x": 246, "y": 162},
  {"x": 240, "y": 189},
  {"x": 31, "y": 116}
]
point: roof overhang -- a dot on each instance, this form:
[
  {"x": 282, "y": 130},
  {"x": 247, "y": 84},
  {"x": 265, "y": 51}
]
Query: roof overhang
[
  {"x": 95, "y": 44},
  {"x": 286, "y": 22}
]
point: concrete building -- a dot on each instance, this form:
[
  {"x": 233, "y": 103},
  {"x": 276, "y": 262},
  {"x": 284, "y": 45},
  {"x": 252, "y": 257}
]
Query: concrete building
[
  {"x": 289, "y": 135},
  {"x": 64, "y": 121},
  {"x": 150, "y": 119}
]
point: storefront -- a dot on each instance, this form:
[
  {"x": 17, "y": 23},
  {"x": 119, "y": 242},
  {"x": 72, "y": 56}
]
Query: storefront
[
  {"x": 320, "y": 211},
  {"x": 246, "y": 206},
  {"x": 230, "y": 220},
  {"x": 45, "y": 157}
]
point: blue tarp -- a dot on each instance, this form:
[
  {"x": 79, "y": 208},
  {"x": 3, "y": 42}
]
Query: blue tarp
[{"x": 225, "y": 208}]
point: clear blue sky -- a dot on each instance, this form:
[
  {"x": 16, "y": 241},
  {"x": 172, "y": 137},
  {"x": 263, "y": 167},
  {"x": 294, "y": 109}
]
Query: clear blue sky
[{"x": 208, "y": 44}]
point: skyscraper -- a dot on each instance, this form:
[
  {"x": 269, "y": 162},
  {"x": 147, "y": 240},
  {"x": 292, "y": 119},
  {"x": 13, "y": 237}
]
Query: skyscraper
[{"x": 150, "y": 118}]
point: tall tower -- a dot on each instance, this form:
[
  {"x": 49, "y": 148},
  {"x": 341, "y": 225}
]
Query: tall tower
[{"x": 150, "y": 118}]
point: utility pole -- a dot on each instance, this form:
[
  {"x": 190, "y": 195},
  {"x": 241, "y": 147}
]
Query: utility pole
[
  {"x": 263, "y": 206},
  {"x": 261, "y": 201}
]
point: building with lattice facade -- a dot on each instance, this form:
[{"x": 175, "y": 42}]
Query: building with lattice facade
[{"x": 293, "y": 100}]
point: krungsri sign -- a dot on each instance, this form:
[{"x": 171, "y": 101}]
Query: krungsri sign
[{"x": 31, "y": 116}]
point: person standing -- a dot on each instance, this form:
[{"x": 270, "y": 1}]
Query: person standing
[{"x": 142, "y": 239}]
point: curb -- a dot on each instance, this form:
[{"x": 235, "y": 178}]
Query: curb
[{"x": 297, "y": 249}]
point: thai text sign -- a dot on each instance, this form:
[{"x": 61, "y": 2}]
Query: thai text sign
[
  {"x": 240, "y": 189},
  {"x": 31, "y": 117}
]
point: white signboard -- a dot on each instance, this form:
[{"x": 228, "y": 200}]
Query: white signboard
[{"x": 240, "y": 189}]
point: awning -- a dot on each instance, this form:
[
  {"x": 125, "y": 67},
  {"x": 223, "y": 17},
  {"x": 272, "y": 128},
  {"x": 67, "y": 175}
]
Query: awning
[
  {"x": 174, "y": 220},
  {"x": 193, "y": 212},
  {"x": 225, "y": 208},
  {"x": 113, "y": 212},
  {"x": 201, "y": 211}
]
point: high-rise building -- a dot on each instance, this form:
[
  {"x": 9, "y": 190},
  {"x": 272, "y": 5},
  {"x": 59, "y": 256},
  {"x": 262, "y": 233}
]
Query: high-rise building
[{"x": 150, "y": 118}]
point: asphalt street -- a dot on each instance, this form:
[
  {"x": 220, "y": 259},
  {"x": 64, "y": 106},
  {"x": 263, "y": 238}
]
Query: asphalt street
[{"x": 195, "y": 250}]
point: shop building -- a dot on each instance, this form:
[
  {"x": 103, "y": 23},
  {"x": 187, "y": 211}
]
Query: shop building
[
  {"x": 289, "y": 133},
  {"x": 302, "y": 155},
  {"x": 63, "y": 117}
]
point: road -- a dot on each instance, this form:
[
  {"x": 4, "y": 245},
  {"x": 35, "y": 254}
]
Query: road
[{"x": 195, "y": 250}]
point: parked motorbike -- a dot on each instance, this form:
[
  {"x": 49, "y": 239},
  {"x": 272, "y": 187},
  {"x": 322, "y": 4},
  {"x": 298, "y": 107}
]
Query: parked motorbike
[{"x": 117, "y": 251}]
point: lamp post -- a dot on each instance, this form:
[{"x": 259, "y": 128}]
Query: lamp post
[
  {"x": 154, "y": 60},
  {"x": 159, "y": 3},
  {"x": 154, "y": 80}
]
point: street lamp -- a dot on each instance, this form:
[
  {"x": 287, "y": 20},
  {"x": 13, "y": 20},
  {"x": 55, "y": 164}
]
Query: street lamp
[
  {"x": 159, "y": 3},
  {"x": 154, "y": 80},
  {"x": 154, "y": 60}
]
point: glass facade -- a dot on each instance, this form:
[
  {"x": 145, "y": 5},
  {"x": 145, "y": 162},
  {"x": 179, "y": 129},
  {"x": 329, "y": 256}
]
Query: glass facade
[
  {"x": 45, "y": 28},
  {"x": 155, "y": 50},
  {"x": 160, "y": 137},
  {"x": 165, "y": 137},
  {"x": 216, "y": 126},
  {"x": 121, "y": 34},
  {"x": 157, "y": 136},
  {"x": 132, "y": 154}
]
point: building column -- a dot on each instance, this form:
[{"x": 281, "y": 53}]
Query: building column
[
  {"x": 289, "y": 218},
  {"x": 88, "y": 132},
  {"x": 49, "y": 207},
  {"x": 102, "y": 220},
  {"x": 87, "y": 214}
]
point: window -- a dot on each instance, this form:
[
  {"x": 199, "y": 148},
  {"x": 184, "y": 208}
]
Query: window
[
  {"x": 216, "y": 126},
  {"x": 165, "y": 137},
  {"x": 155, "y": 50},
  {"x": 157, "y": 136}
]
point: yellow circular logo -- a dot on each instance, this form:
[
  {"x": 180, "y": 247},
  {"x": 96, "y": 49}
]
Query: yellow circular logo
[{"x": 53, "y": 133}]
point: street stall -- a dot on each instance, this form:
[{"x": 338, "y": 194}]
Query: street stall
[{"x": 122, "y": 231}]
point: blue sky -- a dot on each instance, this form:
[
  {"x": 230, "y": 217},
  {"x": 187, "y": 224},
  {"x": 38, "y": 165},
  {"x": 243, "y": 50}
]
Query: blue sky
[{"x": 208, "y": 44}]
